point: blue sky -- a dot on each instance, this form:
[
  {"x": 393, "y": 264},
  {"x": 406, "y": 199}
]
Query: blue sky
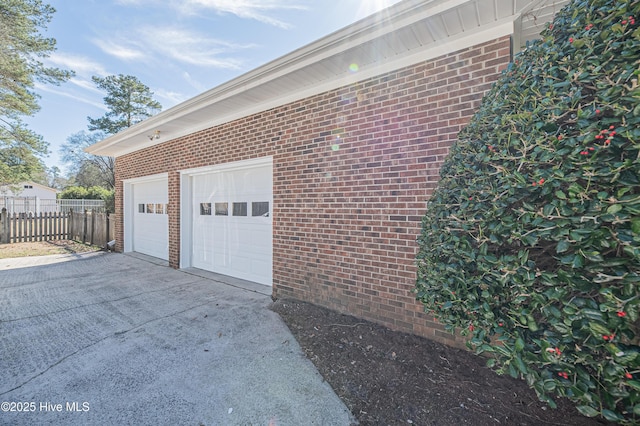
[{"x": 179, "y": 48}]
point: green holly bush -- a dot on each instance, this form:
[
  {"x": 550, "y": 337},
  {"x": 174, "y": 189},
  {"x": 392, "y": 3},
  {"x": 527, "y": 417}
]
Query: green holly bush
[{"x": 531, "y": 241}]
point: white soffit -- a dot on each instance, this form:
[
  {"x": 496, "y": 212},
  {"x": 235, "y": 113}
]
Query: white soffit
[{"x": 409, "y": 32}]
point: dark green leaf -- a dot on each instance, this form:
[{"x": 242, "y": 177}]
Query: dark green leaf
[
  {"x": 520, "y": 364},
  {"x": 611, "y": 416},
  {"x": 587, "y": 411},
  {"x": 614, "y": 208},
  {"x": 634, "y": 384},
  {"x": 562, "y": 246}
]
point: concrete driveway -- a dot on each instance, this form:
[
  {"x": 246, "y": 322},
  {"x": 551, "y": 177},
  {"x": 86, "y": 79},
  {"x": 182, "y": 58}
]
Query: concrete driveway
[{"x": 112, "y": 339}]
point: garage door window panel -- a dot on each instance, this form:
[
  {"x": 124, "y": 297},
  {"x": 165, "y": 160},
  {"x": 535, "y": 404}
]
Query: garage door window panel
[
  {"x": 205, "y": 209},
  {"x": 222, "y": 209},
  {"x": 260, "y": 208},
  {"x": 239, "y": 209}
]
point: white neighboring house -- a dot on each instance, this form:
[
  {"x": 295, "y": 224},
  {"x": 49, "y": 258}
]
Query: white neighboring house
[{"x": 26, "y": 197}]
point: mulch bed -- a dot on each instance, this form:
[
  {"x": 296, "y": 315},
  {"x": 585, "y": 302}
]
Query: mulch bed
[{"x": 391, "y": 378}]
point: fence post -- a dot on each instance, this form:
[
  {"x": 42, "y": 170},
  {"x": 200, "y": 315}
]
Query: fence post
[
  {"x": 93, "y": 226},
  {"x": 84, "y": 227},
  {"x": 4, "y": 227},
  {"x": 106, "y": 237},
  {"x": 70, "y": 225},
  {"x": 19, "y": 226},
  {"x": 30, "y": 221}
]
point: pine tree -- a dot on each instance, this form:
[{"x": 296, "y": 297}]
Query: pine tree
[
  {"x": 22, "y": 46},
  {"x": 128, "y": 101}
]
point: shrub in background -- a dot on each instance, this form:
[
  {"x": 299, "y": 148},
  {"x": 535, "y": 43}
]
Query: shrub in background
[
  {"x": 531, "y": 242},
  {"x": 91, "y": 193}
]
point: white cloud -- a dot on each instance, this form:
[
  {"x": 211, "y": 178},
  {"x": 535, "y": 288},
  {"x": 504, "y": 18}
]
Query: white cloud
[
  {"x": 369, "y": 7},
  {"x": 199, "y": 87},
  {"x": 177, "y": 44},
  {"x": 84, "y": 69},
  {"x": 82, "y": 65},
  {"x": 154, "y": 43},
  {"x": 190, "y": 47},
  {"x": 169, "y": 98},
  {"x": 69, "y": 94},
  {"x": 259, "y": 10},
  {"x": 119, "y": 50},
  {"x": 85, "y": 84}
]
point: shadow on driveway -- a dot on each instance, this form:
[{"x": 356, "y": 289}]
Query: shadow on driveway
[{"x": 115, "y": 339}]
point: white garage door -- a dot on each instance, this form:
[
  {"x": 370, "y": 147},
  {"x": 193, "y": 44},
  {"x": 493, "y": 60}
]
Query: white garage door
[
  {"x": 232, "y": 222},
  {"x": 150, "y": 233}
]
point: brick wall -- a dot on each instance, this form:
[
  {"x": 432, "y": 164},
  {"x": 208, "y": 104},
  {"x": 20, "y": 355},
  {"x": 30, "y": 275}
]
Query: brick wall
[{"x": 353, "y": 169}]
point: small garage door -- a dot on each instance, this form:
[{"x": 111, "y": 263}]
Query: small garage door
[
  {"x": 150, "y": 233},
  {"x": 232, "y": 232}
]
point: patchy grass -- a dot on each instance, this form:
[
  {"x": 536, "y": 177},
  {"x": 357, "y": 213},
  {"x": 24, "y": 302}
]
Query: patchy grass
[{"x": 44, "y": 248}]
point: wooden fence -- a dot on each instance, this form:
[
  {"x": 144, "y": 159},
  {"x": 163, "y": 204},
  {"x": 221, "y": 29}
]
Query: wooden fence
[
  {"x": 87, "y": 227},
  {"x": 91, "y": 227}
]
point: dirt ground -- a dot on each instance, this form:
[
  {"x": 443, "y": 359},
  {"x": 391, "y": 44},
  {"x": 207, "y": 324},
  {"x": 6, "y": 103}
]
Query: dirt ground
[
  {"x": 392, "y": 378},
  {"x": 43, "y": 248}
]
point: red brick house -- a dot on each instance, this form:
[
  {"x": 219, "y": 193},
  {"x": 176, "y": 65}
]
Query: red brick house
[{"x": 311, "y": 173}]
